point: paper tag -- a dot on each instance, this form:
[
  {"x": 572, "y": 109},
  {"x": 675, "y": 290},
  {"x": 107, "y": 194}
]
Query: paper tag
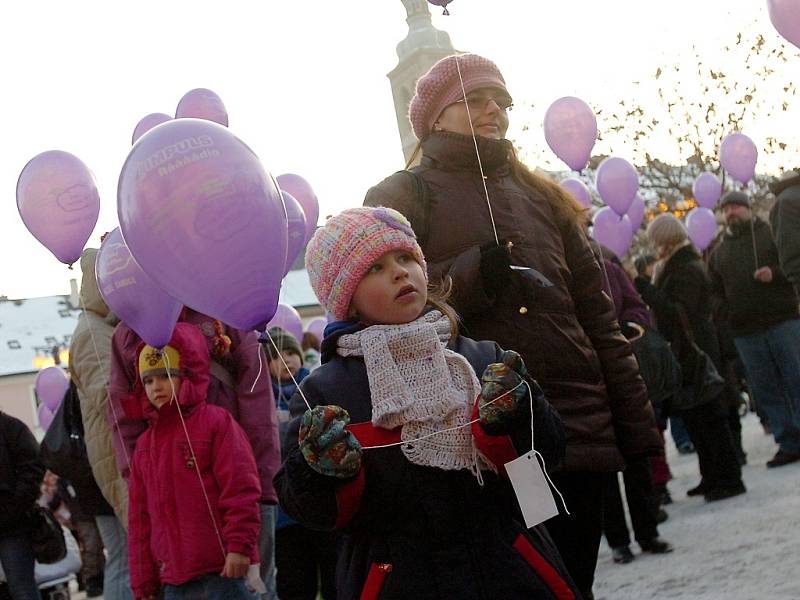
[
  {"x": 533, "y": 492},
  {"x": 254, "y": 581}
]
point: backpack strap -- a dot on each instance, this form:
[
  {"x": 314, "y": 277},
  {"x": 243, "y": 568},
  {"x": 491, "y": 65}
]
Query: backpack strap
[{"x": 421, "y": 219}]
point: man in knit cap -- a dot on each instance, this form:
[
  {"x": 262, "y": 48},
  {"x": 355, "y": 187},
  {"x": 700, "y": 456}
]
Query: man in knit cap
[{"x": 761, "y": 307}]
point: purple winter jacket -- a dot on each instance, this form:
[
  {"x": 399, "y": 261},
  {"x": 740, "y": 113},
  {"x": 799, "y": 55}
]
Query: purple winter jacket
[
  {"x": 254, "y": 411},
  {"x": 628, "y": 303}
]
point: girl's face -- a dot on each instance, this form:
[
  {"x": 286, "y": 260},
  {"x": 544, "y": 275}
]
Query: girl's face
[
  {"x": 393, "y": 291},
  {"x": 277, "y": 369},
  {"x": 488, "y": 109},
  {"x": 159, "y": 389}
]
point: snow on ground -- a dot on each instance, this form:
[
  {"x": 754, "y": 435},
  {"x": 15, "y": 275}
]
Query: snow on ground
[{"x": 743, "y": 548}]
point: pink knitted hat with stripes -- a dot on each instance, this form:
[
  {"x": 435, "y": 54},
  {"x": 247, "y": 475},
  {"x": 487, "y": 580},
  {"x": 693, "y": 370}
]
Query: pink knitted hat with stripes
[
  {"x": 342, "y": 251},
  {"x": 440, "y": 87}
]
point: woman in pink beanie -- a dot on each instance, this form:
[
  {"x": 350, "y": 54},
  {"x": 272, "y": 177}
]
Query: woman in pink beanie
[
  {"x": 523, "y": 275},
  {"x": 403, "y": 448}
]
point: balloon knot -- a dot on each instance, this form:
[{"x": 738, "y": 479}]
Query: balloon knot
[{"x": 446, "y": 12}]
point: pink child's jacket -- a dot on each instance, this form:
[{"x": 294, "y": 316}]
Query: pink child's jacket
[{"x": 172, "y": 537}]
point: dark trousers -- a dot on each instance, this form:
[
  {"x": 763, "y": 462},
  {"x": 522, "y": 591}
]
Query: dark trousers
[
  {"x": 93, "y": 561},
  {"x": 711, "y": 435},
  {"x": 639, "y": 492},
  {"x": 305, "y": 557},
  {"x": 16, "y": 555},
  {"x": 577, "y": 536}
]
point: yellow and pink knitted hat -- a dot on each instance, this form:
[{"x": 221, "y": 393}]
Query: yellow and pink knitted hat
[
  {"x": 440, "y": 87},
  {"x": 342, "y": 251}
]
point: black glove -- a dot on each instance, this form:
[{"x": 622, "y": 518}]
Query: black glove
[{"x": 495, "y": 266}]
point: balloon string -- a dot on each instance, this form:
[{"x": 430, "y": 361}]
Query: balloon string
[
  {"x": 278, "y": 351},
  {"x": 108, "y": 395},
  {"x": 258, "y": 376},
  {"x": 477, "y": 153},
  {"x": 194, "y": 457}
]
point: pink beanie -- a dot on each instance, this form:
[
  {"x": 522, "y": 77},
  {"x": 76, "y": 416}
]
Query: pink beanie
[
  {"x": 440, "y": 87},
  {"x": 342, "y": 251}
]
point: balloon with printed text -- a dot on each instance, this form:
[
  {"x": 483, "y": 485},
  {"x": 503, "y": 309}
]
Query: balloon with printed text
[
  {"x": 612, "y": 231},
  {"x": 201, "y": 103},
  {"x": 302, "y": 191},
  {"x": 58, "y": 201},
  {"x": 617, "y": 183},
  {"x": 132, "y": 295},
  {"x": 205, "y": 221},
  {"x": 738, "y": 156},
  {"x": 146, "y": 123},
  {"x": 570, "y": 129},
  {"x": 51, "y": 384}
]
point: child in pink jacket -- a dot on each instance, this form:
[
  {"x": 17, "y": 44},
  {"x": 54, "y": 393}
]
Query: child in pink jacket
[{"x": 194, "y": 487}]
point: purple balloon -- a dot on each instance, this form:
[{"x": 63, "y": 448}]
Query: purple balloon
[
  {"x": 58, "y": 201},
  {"x": 738, "y": 156},
  {"x": 132, "y": 295},
  {"x": 785, "y": 16},
  {"x": 147, "y": 123},
  {"x": 702, "y": 226},
  {"x": 707, "y": 189},
  {"x": 297, "y": 229},
  {"x": 46, "y": 417},
  {"x": 204, "y": 220},
  {"x": 51, "y": 384},
  {"x": 579, "y": 191},
  {"x": 317, "y": 327},
  {"x": 287, "y": 318},
  {"x": 304, "y": 194},
  {"x": 443, "y": 4},
  {"x": 617, "y": 183},
  {"x": 636, "y": 213},
  {"x": 570, "y": 129},
  {"x": 612, "y": 231},
  {"x": 201, "y": 103}
]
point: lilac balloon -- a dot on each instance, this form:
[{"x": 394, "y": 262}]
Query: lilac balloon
[
  {"x": 579, "y": 191},
  {"x": 617, "y": 183},
  {"x": 738, "y": 156},
  {"x": 785, "y": 16},
  {"x": 46, "y": 417},
  {"x": 288, "y": 318},
  {"x": 317, "y": 327},
  {"x": 147, "y": 123},
  {"x": 204, "y": 220},
  {"x": 702, "y": 226},
  {"x": 612, "y": 231},
  {"x": 297, "y": 229},
  {"x": 636, "y": 213},
  {"x": 304, "y": 194},
  {"x": 51, "y": 384},
  {"x": 58, "y": 201},
  {"x": 570, "y": 129},
  {"x": 443, "y": 4},
  {"x": 201, "y": 103},
  {"x": 132, "y": 295},
  {"x": 707, "y": 189}
]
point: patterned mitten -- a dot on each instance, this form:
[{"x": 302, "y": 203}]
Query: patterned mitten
[
  {"x": 328, "y": 447},
  {"x": 502, "y": 390}
]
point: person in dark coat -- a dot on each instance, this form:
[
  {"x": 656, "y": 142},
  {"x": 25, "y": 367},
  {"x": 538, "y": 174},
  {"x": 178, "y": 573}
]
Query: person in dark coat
[
  {"x": 21, "y": 474},
  {"x": 761, "y": 306},
  {"x": 523, "y": 275},
  {"x": 402, "y": 449},
  {"x": 680, "y": 297},
  {"x": 784, "y": 218}
]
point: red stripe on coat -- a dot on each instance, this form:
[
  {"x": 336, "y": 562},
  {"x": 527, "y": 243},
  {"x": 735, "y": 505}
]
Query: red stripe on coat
[
  {"x": 497, "y": 448},
  {"x": 375, "y": 579},
  {"x": 543, "y": 568},
  {"x": 348, "y": 499}
]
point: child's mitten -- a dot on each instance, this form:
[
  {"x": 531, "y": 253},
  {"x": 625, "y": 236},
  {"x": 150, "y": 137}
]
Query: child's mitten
[
  {"x": 328, "y": 447},
  {"x": 503, "y": 384}
]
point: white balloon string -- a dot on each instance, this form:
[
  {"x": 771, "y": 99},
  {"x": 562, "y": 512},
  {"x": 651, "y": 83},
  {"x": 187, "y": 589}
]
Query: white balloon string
[
  {"x": 174, "y": 399},
  {"x": 108, "y": 395},
  {"x": 258, "y": 376},
  {"x": 477, "y": 153},
  {"x": 288, "y": 370}
]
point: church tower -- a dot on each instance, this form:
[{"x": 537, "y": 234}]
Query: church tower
[{"x": 423, "y": 46}]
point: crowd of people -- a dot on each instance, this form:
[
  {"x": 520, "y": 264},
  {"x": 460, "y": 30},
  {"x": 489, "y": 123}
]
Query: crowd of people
[{"x": 474, "y": 324}]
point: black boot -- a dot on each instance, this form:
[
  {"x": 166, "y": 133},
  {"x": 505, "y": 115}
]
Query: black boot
[
  {"x": 622, "y": 555},
  {"x": 656, "y": 546}
]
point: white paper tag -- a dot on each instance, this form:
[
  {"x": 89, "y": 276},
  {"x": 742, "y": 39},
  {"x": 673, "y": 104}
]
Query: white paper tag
[{"x": 533, "y": 493}]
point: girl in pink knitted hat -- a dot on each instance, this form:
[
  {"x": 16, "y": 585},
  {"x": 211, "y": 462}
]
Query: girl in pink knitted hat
[{"x": 402, "y": 447}]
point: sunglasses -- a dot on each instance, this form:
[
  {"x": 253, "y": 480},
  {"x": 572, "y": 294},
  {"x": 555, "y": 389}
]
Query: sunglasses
[{"x": 478, "y": 102}]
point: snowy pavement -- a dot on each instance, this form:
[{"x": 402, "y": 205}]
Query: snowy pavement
[{"x": 743, "y": 548}]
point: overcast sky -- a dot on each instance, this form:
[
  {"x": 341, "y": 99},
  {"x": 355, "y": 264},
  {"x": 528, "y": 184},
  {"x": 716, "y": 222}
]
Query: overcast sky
[{"x": 303, "y": 81}]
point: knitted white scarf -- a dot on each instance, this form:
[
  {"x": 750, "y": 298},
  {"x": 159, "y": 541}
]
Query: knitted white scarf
[{"x": 417, "y": 383}]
